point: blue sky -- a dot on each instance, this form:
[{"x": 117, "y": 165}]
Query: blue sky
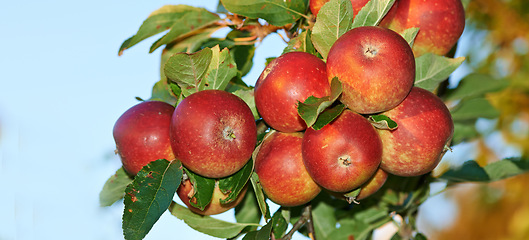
[{"x": 62, "y": 87}]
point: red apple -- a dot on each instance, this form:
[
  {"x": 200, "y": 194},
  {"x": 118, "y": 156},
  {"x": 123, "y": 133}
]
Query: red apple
[
  {"x": 186, "y": 191},
  {"x": 142, "y": 135},
  {"x": 213, "y": 133},
  {"x": 441, "y": 23},
  {"x": 424, "y": 129},
  {"x": 373, "y": 185},
  {"x": 282, "y": 174},
  {"x": 344, "y": 154},
  {"x": 290, "y": 78},
  {"x": 376, "y": 67}
]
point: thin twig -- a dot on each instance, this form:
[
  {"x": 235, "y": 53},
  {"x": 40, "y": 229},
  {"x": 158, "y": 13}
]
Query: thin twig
[
  {"x": 310, "y": 225},
  {"x": 305, "y": 218}
]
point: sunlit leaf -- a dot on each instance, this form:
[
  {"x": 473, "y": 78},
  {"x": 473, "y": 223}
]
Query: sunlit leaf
[
  {"x": 188, "y": 70},
  {"x": 192, "y": 22},
  {"x": 409, "y": 35},
  {"x": 431, "y": 69},
  {"x": 334, "y": 19},
  {"x": 276, "y": 12},
  {"x": 372, "y": 13},
  {"x": 158, "y": 21},
  {"x": 206, "y": 224},
  {"x": 301, "y": 43},
  {"x": 114, "y": 188},
  {"x": 221, "y": 69},
  {"x": 312, "y": 107},
  {"x": 248, "y": 97}
]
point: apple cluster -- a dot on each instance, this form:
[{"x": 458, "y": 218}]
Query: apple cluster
[
  {"x": 212, "y": 132},
  {"x": 376, "y": 68}
]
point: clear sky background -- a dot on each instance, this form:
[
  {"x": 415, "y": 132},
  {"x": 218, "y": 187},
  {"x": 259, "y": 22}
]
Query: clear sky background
[{"x": 62, "y": 87}]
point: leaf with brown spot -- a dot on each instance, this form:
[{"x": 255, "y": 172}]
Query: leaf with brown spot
[{"x": 149, "y": 195}]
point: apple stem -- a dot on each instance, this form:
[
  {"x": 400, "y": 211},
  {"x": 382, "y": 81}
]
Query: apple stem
[
  {"x": 345, "y": 160},
  {"x": 229, "y": 133}
]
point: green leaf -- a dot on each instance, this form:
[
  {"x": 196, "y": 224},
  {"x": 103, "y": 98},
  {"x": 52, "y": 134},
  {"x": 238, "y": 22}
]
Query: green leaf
[
  {"x": 221, "y": 69},
  {"x": 248, "y": 97},
  {"x": 476, "y": 85},
  {"x": 192, "y": 22},
  {"x": 372, "y": 13},
  {"x": 190, "y": 44},
  {"x": 323, "y": 218},
  {"x": 206, "y": 224},
  {"x": 470, "y": 171},
  {"x": 351, "y": 229},
  {"x": 248, "y": 210},
  {"x": 301, "y": 43},
  {"x": 149, "y": 195},
  {"x": 114, "y": 188},
  {"x": 409, "y": 35},
  {"x": 237, "y": 83},
  {"x": 276, "y": 12},
  {"x": 328, "y": 115},
  {"x": 334, "y": 19},
  {"x": 371, "y": 215},
  {"x": 157, "y": 22},
  {"x": 234, "y": 184},
  {"x": 432, "y": 69},
  {"x": 259, "y": 195},
  {"x": 203, "y": 189},
  {"x": 420, "y": 236},
  {"x": 279, "y": 224},
  {"x": 310, "y": 109},
  {"x": 474, "y": 108},
  {"x": 382, "y": 122},
  {"x": 261, "y": 234},
  {"x": 464, "y": 131},
  {"x": 188, "y": 69},
  {"x": 165, "y": 92}
]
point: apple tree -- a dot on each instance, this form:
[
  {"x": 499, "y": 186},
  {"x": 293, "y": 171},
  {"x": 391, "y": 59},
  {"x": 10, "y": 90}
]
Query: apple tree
[{"x": 344, "y": 130}]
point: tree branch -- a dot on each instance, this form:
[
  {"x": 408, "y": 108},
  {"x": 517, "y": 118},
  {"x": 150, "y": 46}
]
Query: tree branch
[{"x": 306, "y": 217}]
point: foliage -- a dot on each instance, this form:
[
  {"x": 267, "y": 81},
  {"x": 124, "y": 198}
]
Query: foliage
[{"x": 192, "y": 61}]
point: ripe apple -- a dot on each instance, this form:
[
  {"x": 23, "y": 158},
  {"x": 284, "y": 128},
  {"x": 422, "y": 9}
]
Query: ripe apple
[
  {"x": 376, "y": 67},
  {"x": 282, "y": 174},
  {"x": 373, "y": 185},
  {"x": 424, "y": 129},
  {"x": 213, "y": 133},
  {"x": 290, "y": 78},
  {"x": 142, "y": 135},
  {"x": 441, "y": 23},
  {"x": 186, "y": 191},
  {"x": 344, "y": 154}
]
